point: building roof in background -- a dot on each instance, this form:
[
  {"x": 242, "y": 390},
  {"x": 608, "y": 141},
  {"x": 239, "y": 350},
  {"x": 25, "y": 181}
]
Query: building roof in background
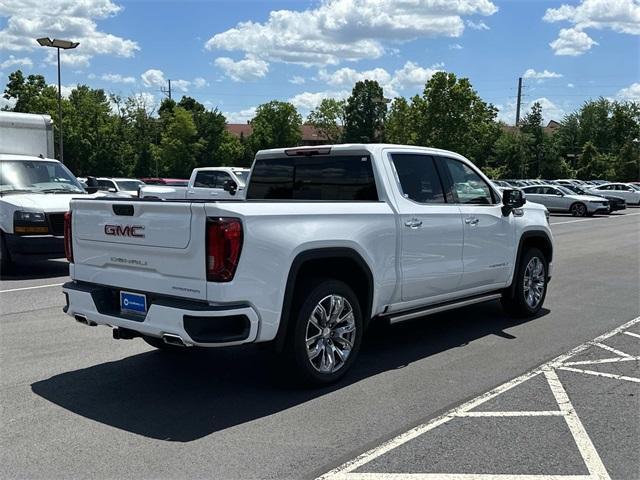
[{"x": 309, "y": 133}]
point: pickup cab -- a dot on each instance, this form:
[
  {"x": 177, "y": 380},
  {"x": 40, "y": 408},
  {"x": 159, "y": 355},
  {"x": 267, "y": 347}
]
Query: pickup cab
[
  {"x": 206, "y": 182},
  {"x": 327, "y": 240}
]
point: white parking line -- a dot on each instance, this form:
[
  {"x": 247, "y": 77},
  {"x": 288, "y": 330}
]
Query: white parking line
[
  {"x": 31, "y": 288},
  {"x": 593, "y": 219},
  {"x": 587, "y": 450},
  {"x": 611, "y": 349},
  {"x": 631, "y": 334},
  {"x": 601, "y": 374}
]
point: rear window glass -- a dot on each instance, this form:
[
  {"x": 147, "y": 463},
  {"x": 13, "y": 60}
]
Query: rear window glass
[{"x": 345, "y": 178}]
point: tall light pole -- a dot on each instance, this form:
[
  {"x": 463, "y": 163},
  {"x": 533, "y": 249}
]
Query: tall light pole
[{"x": 65, "y": 45}]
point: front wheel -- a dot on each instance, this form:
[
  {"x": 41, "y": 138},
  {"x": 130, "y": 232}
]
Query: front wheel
[
  {"x": 527, "y": 295},
  {"x": 326, "y": 334},
  {"x": 578, "y": 210}
]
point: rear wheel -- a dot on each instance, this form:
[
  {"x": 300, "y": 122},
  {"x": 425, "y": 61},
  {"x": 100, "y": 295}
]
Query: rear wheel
[
  {"x": 527, "y": 295},
  {"x": 578, "y": 210},
  {"x": 326, "y": 332}
]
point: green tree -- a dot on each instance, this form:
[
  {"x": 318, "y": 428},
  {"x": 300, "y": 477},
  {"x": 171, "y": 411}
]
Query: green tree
[
  {"x": 179, "y": 145},
  {"x": 399, "y": 126},
  {"x": 210, "y": 126},
  {"x": 454, "y": 117},
  {"x": 365, "y": 112},
  {"x": 31, "y": 94},
  {"x": 592, "y": 164},
  {"x": 276, "y": 124},
  {"x": 328, "y": 119},
  {"x": 511, "y": 154}
]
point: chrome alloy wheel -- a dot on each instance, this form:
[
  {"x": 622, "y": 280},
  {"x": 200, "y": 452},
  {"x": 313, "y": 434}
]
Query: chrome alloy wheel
[
  {"x": 534, "y": 281},
  {"x": 330, "y": 334}
]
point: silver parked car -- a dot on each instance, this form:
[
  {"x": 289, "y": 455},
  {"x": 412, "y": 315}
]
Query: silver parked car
[
  {"x": 560, "y": 199},
  {"x": 622, "y": 190}
]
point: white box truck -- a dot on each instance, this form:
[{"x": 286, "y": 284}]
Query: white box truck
[{"x": 35, "y": 189}]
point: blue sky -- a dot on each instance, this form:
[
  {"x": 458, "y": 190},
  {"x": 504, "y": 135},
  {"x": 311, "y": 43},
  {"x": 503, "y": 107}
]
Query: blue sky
[{"x": 234, "y": 55}]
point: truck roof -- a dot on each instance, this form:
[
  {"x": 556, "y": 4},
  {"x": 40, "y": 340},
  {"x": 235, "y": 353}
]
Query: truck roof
[
  {"x": 354, "y": 147},
  {"x": 25, "y": 158}
]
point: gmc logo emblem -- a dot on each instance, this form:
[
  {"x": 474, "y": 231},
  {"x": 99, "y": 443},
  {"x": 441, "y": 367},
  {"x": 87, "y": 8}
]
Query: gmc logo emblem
[{"x": 124, "y": 230}]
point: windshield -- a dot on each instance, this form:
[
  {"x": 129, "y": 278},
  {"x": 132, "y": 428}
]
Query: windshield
[
  {"x": 37, "y": 176},
  {"x": 129, "y": 185},
  {"x": 242, "y": 176}
]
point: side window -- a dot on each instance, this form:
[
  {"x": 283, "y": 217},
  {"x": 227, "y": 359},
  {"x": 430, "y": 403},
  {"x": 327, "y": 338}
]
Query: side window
[
  {"x": 418, "y": 177},
  {"x": 105, "y": 185},
  {"x": 222, "y": 178},
  {"x": 468, "y": 186},
  {"x": 205, "y": 180},
  {"x": 534, "y": 190}
]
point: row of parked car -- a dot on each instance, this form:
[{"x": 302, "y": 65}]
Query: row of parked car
[
  {"x": 578, "y": 197},
  {"x": 207, "y": 182}
]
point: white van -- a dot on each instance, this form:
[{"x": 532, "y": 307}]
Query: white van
[{"x": 35, "y": 189}]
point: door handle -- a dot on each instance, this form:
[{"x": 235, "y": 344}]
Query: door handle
[
  {"x": 471, "y": 220},
  {"x": 413, "y": 223}
]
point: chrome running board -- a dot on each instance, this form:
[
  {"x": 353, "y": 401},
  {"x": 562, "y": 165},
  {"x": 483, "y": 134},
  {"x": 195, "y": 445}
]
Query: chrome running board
[{"x": 441, "y": 307}]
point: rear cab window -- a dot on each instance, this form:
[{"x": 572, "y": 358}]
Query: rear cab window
[{"x": 320, "y": 178}]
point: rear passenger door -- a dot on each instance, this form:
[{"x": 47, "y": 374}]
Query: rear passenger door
[
  {"x": 489, "y": 249},
  {"x": 430, "y": 229}
]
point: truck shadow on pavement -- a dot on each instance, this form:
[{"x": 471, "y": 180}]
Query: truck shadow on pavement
[
  {"x": 29, "y": 269},
  {"x": 184, "y": 397}
]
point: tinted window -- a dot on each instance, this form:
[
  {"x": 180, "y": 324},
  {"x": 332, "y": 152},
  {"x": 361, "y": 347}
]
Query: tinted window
[
  {"x": 222, "y": 177},
  {"x": 468, "y": 186},
  {"x": 206, "y": 180},
  {"x": 104, "y": 185},
  {"x": 533, "y": 190},
  {"x": 418, "y": 177},
  {"x": 313, "y": 178}
]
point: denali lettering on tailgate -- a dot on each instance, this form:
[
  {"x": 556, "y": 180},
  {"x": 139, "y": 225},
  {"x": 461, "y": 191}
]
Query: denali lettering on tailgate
[{"x": 124, "y": 230}]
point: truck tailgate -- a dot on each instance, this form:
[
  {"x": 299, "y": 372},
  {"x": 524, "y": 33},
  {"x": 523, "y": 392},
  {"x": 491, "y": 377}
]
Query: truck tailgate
[{"x": 146, "y": 246}]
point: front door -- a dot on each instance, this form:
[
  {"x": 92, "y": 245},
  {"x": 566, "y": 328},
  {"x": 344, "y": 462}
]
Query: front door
[{"x": 489, "y": 249}]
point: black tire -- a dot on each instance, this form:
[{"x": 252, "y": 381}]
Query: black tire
[
  {"x": 295, "y": 356},
  {"x": 578, "y": 209},
  {"x": 164, "y": 347},
  {"x": 6, "y": 262},
  {"x": 514, "y": 299}
]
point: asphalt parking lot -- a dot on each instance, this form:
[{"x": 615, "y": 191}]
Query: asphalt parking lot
[{"x": 459, "y": 395}]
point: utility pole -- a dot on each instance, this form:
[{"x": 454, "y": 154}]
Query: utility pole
[
  {"x": 519, "y": 101},
  {"x": 167, "y": 92}
]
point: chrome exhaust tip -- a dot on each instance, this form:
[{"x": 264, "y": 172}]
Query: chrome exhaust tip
[
  {"x": 172, "y": 339},
  {"x": 83, "y": 319}
]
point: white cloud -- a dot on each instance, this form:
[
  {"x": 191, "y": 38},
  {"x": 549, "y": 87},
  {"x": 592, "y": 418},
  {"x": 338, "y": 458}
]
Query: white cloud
[
  {"x": 477, "y": 25},
  {"x": 410, "y": 75},
  {"x": 9, "y": 103},
  {"x": 340, "y": 30},
  {"x": 250, "y": 68},
  {"x": 349, "y": 76},
  {"x": 16, "y": 62},
  {"x": 153, "y": 78},
  {"x": 621, "y": 16},
  {"x": 117, "y": 78},
  {"x": 182, "y": 85},
  {"x": 243, "y": 116},
  {"x": 309, "y": 100},
  {"x": 570, "y": 85},
  {"x": 572, "y": 42},
  {"x": 632, "y": 93},
  {"x": 27, "y": 20},
  {"x": 550, "y": 111},
  {"x": 297, "y": 80},
  {"x": 543, "y": 75},
  {"x": 200, "y": 82},
  {"x": 455, "y": 46}
]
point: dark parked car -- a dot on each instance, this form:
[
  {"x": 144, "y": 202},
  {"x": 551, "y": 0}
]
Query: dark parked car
[{"x": 615, "y": 203}]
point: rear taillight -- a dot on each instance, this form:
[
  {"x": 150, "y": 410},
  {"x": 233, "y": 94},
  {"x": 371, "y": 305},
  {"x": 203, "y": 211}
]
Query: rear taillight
[
  {"x": 68, "y": 240},
  {"x": 224, "y": 243}
]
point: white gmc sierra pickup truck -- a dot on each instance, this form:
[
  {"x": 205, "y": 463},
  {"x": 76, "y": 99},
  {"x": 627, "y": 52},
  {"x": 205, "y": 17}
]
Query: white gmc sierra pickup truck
[{"x": 326, "y": 240}]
